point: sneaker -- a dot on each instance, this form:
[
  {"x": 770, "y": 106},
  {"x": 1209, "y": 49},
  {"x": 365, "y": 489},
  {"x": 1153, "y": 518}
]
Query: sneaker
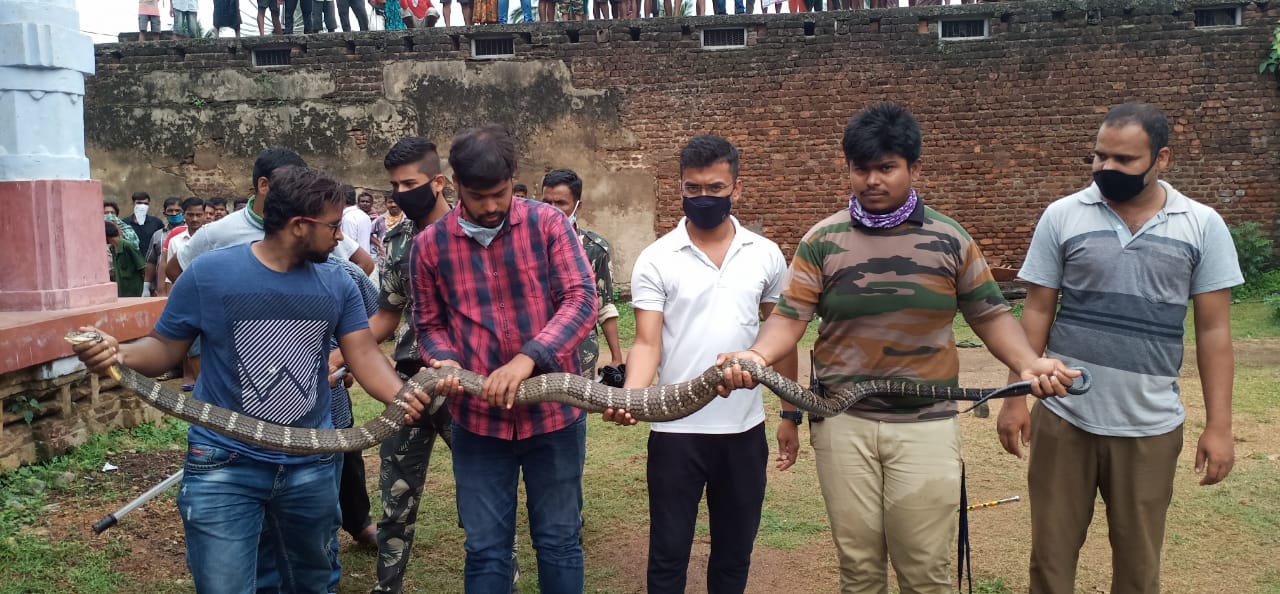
[{"x": 515, "y": 575}]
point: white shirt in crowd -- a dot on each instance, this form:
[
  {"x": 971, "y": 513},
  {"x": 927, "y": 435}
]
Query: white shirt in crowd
[{"x": 357, "y": 225}]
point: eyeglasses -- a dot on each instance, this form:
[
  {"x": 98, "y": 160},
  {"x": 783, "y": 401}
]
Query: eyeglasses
[
  {"x": 335, "y": 227},
  {"x": 716, "y": 189}
]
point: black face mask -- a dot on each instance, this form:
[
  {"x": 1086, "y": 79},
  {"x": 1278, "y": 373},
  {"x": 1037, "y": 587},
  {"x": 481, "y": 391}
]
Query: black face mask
[
  {"x": 707, "y": 212},
  {"x": 416, "y": 203},
  {"x": 1118, "y": 186}
]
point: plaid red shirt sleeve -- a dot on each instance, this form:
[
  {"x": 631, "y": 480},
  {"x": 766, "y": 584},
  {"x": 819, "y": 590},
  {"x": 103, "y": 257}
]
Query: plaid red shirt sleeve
[{"x": 531, "y": 291}]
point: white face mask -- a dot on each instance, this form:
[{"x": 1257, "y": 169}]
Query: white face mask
[
  {"x": 573, "y": 216},
  {"x": 140, "y": 213},
  {"x": 482, "y": 235}
]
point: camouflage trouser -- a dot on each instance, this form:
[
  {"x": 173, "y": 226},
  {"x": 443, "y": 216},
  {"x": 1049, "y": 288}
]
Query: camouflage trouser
[
  {"x": 405, "y": 457},
  {"x": 589, "y": 354}
]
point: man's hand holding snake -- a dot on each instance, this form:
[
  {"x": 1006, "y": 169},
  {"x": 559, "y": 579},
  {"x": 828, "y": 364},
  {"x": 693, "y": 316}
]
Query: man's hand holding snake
[{"x": 98, "y": 356}]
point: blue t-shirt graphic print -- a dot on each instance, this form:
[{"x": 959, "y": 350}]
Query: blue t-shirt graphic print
[{"x": 276, "y": 355}]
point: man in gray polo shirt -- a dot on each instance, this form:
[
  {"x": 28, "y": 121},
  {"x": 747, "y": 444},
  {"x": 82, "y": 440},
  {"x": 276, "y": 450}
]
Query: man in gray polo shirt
[
  {"x": 1124, "y": 255},
  {"x": 245, "y": 225}
]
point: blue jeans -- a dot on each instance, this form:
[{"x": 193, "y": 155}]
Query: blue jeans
[
  {"x": 487, "y": 472},
  {"x": 503, "y": 7},
  {"x": 336, "y": 574},
  {"x": 184, "y": 23},
  {"x": 257, "y": 527}
]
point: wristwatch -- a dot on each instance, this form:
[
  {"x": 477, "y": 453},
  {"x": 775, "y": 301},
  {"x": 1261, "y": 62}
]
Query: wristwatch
[{"x": 796, "y": 416}]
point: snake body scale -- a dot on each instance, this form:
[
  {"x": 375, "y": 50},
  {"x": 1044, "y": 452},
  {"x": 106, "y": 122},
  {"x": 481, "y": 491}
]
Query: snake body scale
[{"x": 655, "y": 403}]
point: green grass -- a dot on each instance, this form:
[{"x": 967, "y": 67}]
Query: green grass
[
  {"x": 1269, "y": 582},
  {"x": 31, "y": 564},
  {"x": 1250, "y": 319},
  {"x": 1248, "y": 499},
  {"x": 1255, "y": 391},
  {"x": 995, "y": 586}
]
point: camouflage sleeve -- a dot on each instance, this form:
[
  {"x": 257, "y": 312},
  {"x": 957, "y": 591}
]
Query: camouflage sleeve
[
  {"x": 392, "y": 290},
  {"x": 977, "y": 293},
  {"x": 803, "y": 285},
  {"x": 604, "y": 274}
]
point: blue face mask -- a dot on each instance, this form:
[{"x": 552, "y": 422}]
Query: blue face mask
[
  {"x": 174, "y": 219},
  {"x": 573, "y": 216},
  {"x": 483, "y": 235}
]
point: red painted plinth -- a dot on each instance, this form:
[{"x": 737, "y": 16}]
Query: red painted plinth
[
  {"x": 32, "y": 338},
  {"x": 55, "y": 246}
]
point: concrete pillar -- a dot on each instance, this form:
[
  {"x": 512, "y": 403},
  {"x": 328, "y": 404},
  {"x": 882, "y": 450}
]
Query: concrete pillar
[{"x": 54, "y": 256}]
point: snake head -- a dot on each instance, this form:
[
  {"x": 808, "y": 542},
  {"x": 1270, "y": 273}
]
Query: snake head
[
  {"x": 82, "y": 336},
  {"x": 78, "y": 337}
]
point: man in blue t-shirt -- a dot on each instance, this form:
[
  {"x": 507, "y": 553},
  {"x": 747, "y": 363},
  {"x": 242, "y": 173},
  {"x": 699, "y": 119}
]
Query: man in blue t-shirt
[{"x": 264, "y": 311}]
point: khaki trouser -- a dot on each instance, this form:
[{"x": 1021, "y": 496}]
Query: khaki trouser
[
  {"x": 892, "y": 490},
  {"x": 1068, "y": 468}
]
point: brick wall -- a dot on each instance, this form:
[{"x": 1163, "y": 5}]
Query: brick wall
[
  {"x": 1009, "y": 120},
  {"x": 69, "y": 407}
]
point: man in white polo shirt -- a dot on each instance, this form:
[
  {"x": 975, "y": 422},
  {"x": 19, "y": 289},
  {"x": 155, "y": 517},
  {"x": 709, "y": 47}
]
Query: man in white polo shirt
[{"x": 698, "y": 291}]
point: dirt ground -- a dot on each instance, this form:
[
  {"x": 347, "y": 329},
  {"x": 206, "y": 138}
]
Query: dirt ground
[{"x": 1196, "y": 553}]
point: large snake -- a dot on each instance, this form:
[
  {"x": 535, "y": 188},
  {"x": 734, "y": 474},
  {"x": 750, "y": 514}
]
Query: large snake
[{"x": 655, "y": 403}]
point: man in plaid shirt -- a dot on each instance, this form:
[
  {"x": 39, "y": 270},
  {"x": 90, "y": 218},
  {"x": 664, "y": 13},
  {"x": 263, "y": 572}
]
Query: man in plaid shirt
[{"x": 502, "y": 287}]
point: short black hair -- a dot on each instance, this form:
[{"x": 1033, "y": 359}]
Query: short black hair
[
  {"x": 112, "y": 230},
  {"x": 349, "y": 194},
  {"x": 1152, "y": 120},
  {"x": 112, "y": 204},
  {"x": 192, "y": 201},
  {"x": 564, "y": 177},
  {"x": 483, "y": 157},
  {"x": 882, "y": 129},
  {"x": 240, "y": 202},
  {"x": 217, "y": 201},
  {"x": 298, "y": 192},
  {"x": 141, "y": 196},
  {"x": 414, "y": 149},
  {"x": 520, "y": 188},
  {"x": 172, "y": 200},
  {"x": 705, "y": 150},
  {"x": 272, "y": 159}
]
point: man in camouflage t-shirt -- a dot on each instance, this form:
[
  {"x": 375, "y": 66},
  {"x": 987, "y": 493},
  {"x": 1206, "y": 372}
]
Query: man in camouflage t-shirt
[
  {"x": 413, "y": 166},
  {"x": 562, "y": 189},
  {"x": 887, "y": 277}
]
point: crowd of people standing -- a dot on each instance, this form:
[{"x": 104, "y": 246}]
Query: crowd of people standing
[
  {"x": 316, "y": 16},
  {"x": 512, "y": 287}
]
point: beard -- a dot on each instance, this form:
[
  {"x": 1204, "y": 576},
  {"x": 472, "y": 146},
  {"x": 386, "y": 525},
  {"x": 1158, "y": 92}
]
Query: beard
[{"x": 316, "y": 257}]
